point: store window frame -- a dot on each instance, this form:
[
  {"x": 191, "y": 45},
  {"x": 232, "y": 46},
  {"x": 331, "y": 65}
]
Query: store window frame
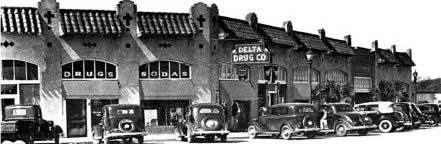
[
  {"x": 330, "y": 75},
  {"x": 304, "y": 75},
  {"x": 362, "y": 84},
  {"x": 232, "y": 69},
  {"x": 95, "y": 76},
  {"x": 160, "y": 77},
  {"x": 280, "y": 70}
]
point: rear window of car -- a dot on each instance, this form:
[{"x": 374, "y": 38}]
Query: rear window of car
[
  {"x": 343, "y": 108},
  {"x": 208, "y": 110},
  {"x": 17, "y": 112},
  {"x": 125, "y": 111}
]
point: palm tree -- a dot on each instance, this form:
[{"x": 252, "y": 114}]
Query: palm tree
[{"x": 330, "y": 92}]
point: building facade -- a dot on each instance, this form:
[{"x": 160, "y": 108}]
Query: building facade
[{"x": 72, "y": 62}]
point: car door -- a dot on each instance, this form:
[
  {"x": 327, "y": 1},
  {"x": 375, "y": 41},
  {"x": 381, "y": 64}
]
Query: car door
[
  {"x": 272, "y": 118},
  {"x": 331, "y": 117}
]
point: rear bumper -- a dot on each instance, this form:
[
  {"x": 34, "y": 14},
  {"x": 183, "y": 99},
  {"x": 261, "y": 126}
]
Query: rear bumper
[
  {"x": 403, "y": 123},
  {"x": 210, "y": 132}
]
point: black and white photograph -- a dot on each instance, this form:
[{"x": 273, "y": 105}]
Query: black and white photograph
[{"x": 220, "y": 71}]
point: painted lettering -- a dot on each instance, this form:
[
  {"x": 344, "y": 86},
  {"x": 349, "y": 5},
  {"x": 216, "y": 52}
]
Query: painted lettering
[
  {"x": 89, "y": 73},
  {"x": 110, "y": 75},
  {"x": 174, "y": 74},
  {"x": 67, "y": 74},
  {"x": 143, "y": 74},
  {"x": 184, "y": 74},
  {"x": 100, "y": 74},
  {"x": 154, "y": 73},
  {"x": 164, "y": 74}
]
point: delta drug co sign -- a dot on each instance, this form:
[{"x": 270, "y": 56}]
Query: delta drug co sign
[{"x": 250, "y": 53}]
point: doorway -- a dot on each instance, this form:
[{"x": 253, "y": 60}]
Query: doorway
[
  {"x": 76, "y": 117},
  {"x": 241, "y": 116}
]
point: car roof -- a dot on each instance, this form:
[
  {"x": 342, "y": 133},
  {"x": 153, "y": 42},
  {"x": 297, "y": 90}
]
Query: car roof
[
  {"x": 292, "y": 104},
  {"x": 206, "y": 104},
  {"x": 121, "y": 106},
  {"x": 21, "y": 106},
  {"x": 333, "y": 104}
]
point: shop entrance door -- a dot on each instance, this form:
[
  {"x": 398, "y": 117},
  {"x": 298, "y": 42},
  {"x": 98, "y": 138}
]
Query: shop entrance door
[
  {"x": 241, "y": 116},
  {"x": 76, "y": 117}
]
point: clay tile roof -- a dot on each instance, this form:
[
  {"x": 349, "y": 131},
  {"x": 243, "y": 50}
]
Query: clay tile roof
[
  {"x": 404, "y": 58},
  {"x": 238, "y": 28},
  {"x": 74, "y": 21},
  {"x": 387, "y": 55},
  {"x": 151, "y": 23},
  {"x": 277, "y": 35},
  {"x": 311, "y": 41},
  {"x": 340, "y": 46},
  {"x": 20, "y": 20}
]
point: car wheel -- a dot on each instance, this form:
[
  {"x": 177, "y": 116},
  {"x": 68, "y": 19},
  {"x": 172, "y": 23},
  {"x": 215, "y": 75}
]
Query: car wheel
[
  {"x": 385, "y": 126},
  {"x": 363, "y": 132},
  {"x": 252, "y": 133},
  {"x": 224, "y": 138},
  {"x": 285, "y": 132},
  {"x": 433, "y": 122},
  {"x": 341, "y": 130}
]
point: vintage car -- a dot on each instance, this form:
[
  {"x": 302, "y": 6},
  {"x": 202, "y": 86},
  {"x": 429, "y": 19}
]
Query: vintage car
[
  {"x": 203, "y": 119},
  {"x": 286, "y": 120},
  {"x": 25, "y": 123},
  {"x": 121, "y": 121},
  {"x": 384, "y": 115},
  {"x": 432, "y": 111},
  {"x": 415, "y": 115},
  {"x": 342, "y": 119}
]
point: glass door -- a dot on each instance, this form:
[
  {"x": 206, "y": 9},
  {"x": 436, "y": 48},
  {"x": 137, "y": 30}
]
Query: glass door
[{"x": 76, "y": 117}]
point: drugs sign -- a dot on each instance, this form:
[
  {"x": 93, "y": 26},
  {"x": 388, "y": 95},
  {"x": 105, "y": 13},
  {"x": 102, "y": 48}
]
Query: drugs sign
[{"x": 250, "y": 53}]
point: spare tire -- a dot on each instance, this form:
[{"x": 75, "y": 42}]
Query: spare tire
[
  {"x": 126, "y": 125},
  {"x": 210, "y": 123},
  {"x": 308, "y": 122}
]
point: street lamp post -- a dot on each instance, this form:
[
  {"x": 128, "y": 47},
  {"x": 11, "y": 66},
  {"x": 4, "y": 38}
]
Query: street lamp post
[
  {"x": 309, "y": 57},
  {"x": 415, "y": 76}
]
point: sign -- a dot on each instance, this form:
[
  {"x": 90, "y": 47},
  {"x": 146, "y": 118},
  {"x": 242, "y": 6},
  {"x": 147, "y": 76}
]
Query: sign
[{"x": 250, "y": 53}]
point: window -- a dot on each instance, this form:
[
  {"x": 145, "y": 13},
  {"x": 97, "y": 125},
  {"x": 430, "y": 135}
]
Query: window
[
  {"x": 19, "y": 70},
  {"x": 88, "y": 69},
  {"x": 362, "y": 84},
  {"x": 9, "y": 89},
  {"x": 208, "y": 110},
  {"x": 125, "y": 111},
  {"x": 343, "y": 108},
  {"x": 337, "y": 76},
  {"x": 272, "y": 74},
  {"x": 164, "y": 70},
  {"x": 229, "y": 71},
  {"x": 306, "y": 110},
  {"x": 301, "y": 75}
]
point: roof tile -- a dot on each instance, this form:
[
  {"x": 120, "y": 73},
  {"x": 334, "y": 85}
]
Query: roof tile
[
  {"x": 340, "y": 46},
  {"x": 150, "y": 23},
  {"x": 277, "y": 35},
  {"x": 404, "y": 58},
  {"x": 311, "y": 41},
  {"x": 387, "y": 55},
  {"x": 20, "y": 20},
  {"x": 238, "y": 28},
  {"x": 89, "y": 22}
]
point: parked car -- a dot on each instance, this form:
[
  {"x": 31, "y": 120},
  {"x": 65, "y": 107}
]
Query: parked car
[
  {"x": 432, "y": 111},
  {"x": 412, "y": 111},
  {"x": 286, "y": 120},
  {"x": 341, "y": 119},
  {"x": 385, "y": 115},
  {"x": 121, "y": 121},
  {"x": 25, "y": 122},
  {"x": 203, "y": 119}
]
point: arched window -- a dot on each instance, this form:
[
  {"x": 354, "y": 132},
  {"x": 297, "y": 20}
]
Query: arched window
[
  {"x": 337, "y": 76},
  {"x": 230, "y": 71},
  {"x": 164, "y": 70},
  {"x": 301, "y": 75},
  {"x": 272, "y": 74},
  {"x": 19, "y": 70},
  {"x": 89, "y": 70}
]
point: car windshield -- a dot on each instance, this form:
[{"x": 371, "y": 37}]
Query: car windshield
[
  {"x": 427, "y": 108},
  {"x": 306, "y": 110},
  {"x": 208, "y": 110},
  {"x": 343, "y": 108},
  {"x": 125, "y": 111}
]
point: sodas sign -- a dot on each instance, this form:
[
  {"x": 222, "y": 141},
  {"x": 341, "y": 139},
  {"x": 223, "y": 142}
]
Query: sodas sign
[{"x": 250, "y": 53}]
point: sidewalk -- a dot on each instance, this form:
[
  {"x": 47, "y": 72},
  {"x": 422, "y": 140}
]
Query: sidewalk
[{"x": 152, "y": 137}]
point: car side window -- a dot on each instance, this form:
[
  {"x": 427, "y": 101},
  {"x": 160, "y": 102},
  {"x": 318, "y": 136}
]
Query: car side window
[
  {"x": 274, "y": 111},
  {"x": 283, "y": 110},
  {"x": 327, "y": 109},
  {"x": 372, "y": 107}
]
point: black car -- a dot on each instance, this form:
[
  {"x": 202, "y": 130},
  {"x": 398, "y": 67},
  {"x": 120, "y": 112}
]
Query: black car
[
  {"x": 286, "y": 120},
  {"x": 121, "y": 121},
  {"x": 341, "y": 119},
  {"x": 432, "y": 111},
  {"x": 203, "y": 119},
  {"x": 385, "y": 115},
  {"x": 413, "y": 112},
  {"x": 25, "y": 122}
]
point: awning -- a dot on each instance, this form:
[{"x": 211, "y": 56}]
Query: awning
[
  {"x": 91, "y": 89},
  {"x": 167, "y": 90},
  {"x": 238, "y": 90}
]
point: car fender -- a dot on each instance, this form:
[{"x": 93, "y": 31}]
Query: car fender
[
  {"x": 258, "y": 127},
  {"x": 345, "y": 120}
]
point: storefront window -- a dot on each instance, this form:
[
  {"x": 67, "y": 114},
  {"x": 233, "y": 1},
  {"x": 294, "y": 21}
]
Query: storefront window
[
  {"x": 362, "y": 84},
  {"x": 301, "y": 75},
  {"x": 229, "y": 71},
  {"x": 19, "y": 70},
  {"x": 163, "y": 112},
  {"x": 89, "y": 69},
  {"x": 76, "y": 117},
  {"x": 164, "y": 70},
  {"x": 337, "y": 76},
  {"x": 272, "y": 74}
]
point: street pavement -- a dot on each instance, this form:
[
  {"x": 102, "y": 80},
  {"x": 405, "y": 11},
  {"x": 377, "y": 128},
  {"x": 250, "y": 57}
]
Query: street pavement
[{"x": 418, "y": 136}]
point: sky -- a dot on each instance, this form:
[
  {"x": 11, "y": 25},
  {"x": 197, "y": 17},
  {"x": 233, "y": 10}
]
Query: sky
[{"x": 414, "y": 24}]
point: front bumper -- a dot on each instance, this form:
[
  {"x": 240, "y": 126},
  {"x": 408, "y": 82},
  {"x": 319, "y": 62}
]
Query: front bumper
[
  {"x": 120, "y": 135},
  {"x": 404, "y": 123},
  {"x": 297, "y": 130},
  {"x": 210, "y": 132}
]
